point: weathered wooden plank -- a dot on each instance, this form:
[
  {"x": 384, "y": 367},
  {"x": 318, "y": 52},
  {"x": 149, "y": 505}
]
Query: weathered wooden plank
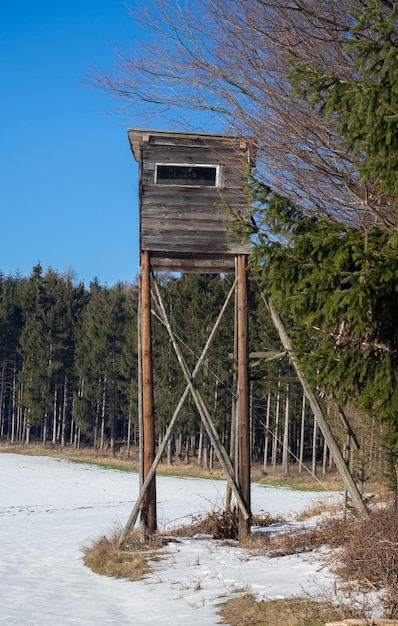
[
  {"x": 193, "y": 266},
  {"x": 217, "y": 210},
  {"x": 162, "y": 243},
  {"x": 185, "y": 233},
  {"x": 198, "y": 140},
  {"x": 173, "y": 247},
  {"x": 219, "y": 153},
  {"x": 178, "y": 212},
  {"x": 193, "y": 225}
]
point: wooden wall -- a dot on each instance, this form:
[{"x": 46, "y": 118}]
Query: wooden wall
[{"x": 185, "y": 227}]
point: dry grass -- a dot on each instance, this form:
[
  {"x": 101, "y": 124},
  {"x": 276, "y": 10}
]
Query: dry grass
[
  {"x": 366, "y": 553},
  {"x": 319, "y": 509},
  {"x": 370, "y": 557},
  {"x": 245, "y": 611},
  {"x": 104, "y": 557}
]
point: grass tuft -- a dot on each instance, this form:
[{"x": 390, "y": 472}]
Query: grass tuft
[
  {"x": 104, "y": 557},
  {"x": 245, "y": 611}
]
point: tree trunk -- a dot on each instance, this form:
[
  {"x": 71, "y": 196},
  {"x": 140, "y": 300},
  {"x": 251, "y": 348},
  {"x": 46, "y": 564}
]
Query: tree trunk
[
  {"x": 314, "y": 441},
  {"x": 103, "y": 414},
  {"x": 302, "y": 431},
  {"x": 44, "y": 436},
  {"x": 14, "y": 404},
  {"x": 285, "y": 459},
  {"x": 266, "y": 438},
  {"x": 95, "y": 437},
  {"x": 128, "y": 439},
  {"x": 211, "y": 457},
  {"x": 179, "y": 445},
  {"x": 205, "y": 452},
  {"x": 275, "y": 436},
  {"x": 200, "y": 447},
  {"x": 325, "y": 457},
  {"x": 55, "y": 401},
  {"x": 187, "y": 442},
  {"x": 2, "y": 387},
  {"x": 64, "y": 412},
  {"x": 170, "y": 451}
]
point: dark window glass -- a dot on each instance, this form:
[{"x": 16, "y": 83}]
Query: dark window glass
[{"x": 186, "y": 175}]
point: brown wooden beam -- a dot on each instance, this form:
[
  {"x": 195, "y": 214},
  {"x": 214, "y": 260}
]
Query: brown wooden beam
[{"x": 149, "y": 515}]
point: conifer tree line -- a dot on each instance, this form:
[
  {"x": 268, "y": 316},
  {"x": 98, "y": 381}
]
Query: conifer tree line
[
  {"x": 68, "y": 358},
  {"x": 69, "y": 372}
]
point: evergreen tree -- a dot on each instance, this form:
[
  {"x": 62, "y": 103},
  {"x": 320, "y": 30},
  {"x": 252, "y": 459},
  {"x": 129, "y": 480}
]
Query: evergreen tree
[
  {"x": 337, "y": 288},
  {"x": 51, "y": 305},
  {"x": 128, "y": 381},
  {"x": 98, "y": 362}
]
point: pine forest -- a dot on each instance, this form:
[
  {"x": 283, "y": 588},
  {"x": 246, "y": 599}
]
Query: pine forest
[{"x": 69, "y": 375}]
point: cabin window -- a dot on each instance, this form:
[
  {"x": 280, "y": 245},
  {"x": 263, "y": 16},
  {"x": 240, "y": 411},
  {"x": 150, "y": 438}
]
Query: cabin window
[{"x": 187, "y": 175}]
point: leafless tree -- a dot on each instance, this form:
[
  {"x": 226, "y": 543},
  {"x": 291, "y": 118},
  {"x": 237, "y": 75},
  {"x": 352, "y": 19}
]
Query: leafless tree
[{"x": 226, "y": 63}]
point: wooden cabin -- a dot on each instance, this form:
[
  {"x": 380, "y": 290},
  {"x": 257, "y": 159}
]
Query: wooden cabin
[{"x": 186, "y": 181}]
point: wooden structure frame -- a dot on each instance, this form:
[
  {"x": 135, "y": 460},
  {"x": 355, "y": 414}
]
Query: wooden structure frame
[
  {"x": 184, "y": 228},
  {"x": 189, "y": 186}
]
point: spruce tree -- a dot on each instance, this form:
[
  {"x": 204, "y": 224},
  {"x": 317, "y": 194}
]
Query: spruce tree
[{"x": 337, "y": 289}]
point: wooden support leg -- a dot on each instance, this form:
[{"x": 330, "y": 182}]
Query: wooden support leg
[{"x": 149, "y": 516}]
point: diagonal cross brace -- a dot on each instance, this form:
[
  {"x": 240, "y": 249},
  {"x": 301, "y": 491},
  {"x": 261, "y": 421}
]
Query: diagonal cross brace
[
  {"x": 134, "y": 514},
  {"x": 204, "y": 414}
]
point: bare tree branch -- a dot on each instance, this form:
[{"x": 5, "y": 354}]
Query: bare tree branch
[{"x": 228, "y": 62}]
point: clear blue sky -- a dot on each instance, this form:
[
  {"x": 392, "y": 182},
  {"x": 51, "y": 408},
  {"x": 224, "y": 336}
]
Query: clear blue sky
[{"x": 68, "y": 181}]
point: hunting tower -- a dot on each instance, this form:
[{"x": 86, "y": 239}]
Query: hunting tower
[
  {"x": 189, "y": 186},
  {"x": 187, "y": 183}
]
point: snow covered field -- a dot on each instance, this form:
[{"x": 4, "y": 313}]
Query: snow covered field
[{"x": 50, "y": 509}]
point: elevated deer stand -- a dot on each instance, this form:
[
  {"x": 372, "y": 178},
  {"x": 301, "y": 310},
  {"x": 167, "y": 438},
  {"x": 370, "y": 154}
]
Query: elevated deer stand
[{"x": 184, "y": 179}]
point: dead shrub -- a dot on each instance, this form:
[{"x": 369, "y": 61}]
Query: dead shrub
[
  {"x": 217, "y": 524},
  {"x": 334, "y": 533},
  {"x": 367, "y": 551},
  {"x": 371, "y": 556},
  {"x": 223, "y": 525}
]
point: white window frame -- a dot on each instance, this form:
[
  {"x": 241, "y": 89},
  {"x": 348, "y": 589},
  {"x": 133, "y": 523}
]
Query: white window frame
[{"x": 218, "y": 180}]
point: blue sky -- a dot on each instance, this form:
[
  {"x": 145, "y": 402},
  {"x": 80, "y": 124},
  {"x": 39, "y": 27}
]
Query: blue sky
[{"x": 68, "y": 182}]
